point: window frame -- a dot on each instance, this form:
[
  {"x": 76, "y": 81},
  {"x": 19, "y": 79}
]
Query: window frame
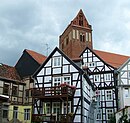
[
  {"x": 108, "y": 117},
  {"x": 99, "y": 113},
  {"x": 108, "y": 94},
  {"x": 27, "y": 113},
  {"x": 6, "y": 89},
  {"x": 56, "y": 61},
  {"x": 14, "y": 90}
]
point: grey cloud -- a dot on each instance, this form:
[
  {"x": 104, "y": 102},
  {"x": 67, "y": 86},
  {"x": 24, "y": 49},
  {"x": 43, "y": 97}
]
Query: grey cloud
[{"x": 33, "y": 23}]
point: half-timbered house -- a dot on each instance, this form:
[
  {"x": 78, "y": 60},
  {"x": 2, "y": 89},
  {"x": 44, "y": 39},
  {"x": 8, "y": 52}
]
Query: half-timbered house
[
  {"x": 124, "y": 84},
  {"x": 63, "y": 91},
  {"x": 103, "y": 77},
  {"x": 76, "y": 42}
]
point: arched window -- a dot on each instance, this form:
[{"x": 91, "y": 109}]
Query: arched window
[{"x": 82, "y": 37}]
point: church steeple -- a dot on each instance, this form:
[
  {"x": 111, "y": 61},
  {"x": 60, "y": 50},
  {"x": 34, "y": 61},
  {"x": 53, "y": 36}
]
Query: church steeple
[{"x": 76, "y": 37}]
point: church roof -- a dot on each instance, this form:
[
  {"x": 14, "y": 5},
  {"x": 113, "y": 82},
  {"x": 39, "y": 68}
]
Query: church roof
[
  {"x": 115, "y": 60},
  {"x": 36, "y": 56}
]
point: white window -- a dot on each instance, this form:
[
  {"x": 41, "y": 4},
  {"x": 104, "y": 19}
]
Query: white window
[
  {"x": 92, "y": 64},
  {"x": 57, "y": 81},
  {"x": 96, "y": 78},
  {"x": 99, "y": 114},
  {"x": 56, "y": 61},
  {"x": 47, "y": 108},
  {"x": 66, "y": 79},
  {"x": 98, "y": 95},
  {"x": 126, "y": 92},
  {"x": 61, "y": 79},
  {"x": 65, "y": 107},
  {"x": 108, "y": 94},
  {"x": 109, "y": 113},
  {"x": 26, "y": 114},
  {"x": 128, "y": 74},
  {"x": 107, "y": 77},
  {"x": 56, "y": 107}
]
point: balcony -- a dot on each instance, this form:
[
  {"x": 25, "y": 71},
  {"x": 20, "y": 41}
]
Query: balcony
[
  {"x": 52, "y": 118},
  {"x": 57, "y": 92}
]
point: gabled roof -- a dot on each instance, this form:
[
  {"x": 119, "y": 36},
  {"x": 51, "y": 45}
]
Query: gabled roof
[
  {"x": 9, "y": 72},
  {"x": 112, "y": 59},
  {"x": 126, "y": 63},
  {"x": 36, "y": 56},
  {"x": 75, "y": 21},
  {"x": 115, "y": 60},
  {"x": 67, "y": 58}
]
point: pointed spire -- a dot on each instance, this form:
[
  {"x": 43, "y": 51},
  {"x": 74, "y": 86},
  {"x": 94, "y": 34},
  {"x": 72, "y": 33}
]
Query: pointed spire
[{"x": 80, "y": 20}]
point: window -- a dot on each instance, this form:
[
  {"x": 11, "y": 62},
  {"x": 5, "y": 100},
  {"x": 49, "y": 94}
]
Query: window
[
  {"x": 98, "y": 95},
  {"x": 128, "y": 74},
  {"x": 56, "y": 61},
  {"x": 15, "y": 112},
  {"x": 61, "y": 79},
  {"x": 6, "y": 89},
  {"x": 56, "y": 107},
  {"x": 96, "y": 78},
  {"x": 5, "y": 111},
  {"x": 92, "y": 64},
  {"x": 57, "y": 81},
  {"x": 80, "y": 20},
  {"x": 108, "y": 94},
  {"x": 109, "y": 113},
  {"x": 107, "y": 77},
  {"x": 99, "y": 114},
  {"x": 26, "y": 114},
  {"x": 47, "y": 108},
  {"x": 27, "y": 93},
  {"x": 126, "y": 92},
  {"x": 66, "y": 79},
  {"x": 82, "y": 37},
  {"x": 65, "y": 107},
  {"x": 14, "y": 91}
]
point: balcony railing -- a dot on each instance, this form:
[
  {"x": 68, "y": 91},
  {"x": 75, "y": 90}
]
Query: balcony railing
[
  {"x": 52, "y": 118},
  {"x": 61, "y": 90}
]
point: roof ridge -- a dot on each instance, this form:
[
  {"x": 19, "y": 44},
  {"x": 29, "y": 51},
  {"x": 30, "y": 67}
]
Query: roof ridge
[{"x": 112, "y": 53}]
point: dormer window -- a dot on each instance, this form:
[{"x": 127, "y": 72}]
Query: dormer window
[{"x": 56, "y": 61}]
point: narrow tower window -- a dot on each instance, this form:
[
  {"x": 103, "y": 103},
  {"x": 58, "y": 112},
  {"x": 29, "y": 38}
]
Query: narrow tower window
[
  {"x": 82, "y": 37},
  {"x": 80, "y": 20}
]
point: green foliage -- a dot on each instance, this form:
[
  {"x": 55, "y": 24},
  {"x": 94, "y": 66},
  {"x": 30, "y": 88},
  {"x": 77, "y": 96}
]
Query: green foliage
[{"x": 113, "y": 119}]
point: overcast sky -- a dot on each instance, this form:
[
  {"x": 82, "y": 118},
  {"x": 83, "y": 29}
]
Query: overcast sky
[{"x": 31, "y": 24}]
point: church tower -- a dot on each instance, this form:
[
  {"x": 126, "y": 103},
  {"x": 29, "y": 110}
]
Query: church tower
[{"x": 76, "y": 37}]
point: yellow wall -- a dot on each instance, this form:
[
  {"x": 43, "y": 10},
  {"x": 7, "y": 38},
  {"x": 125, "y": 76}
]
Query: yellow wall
[{"x": 20, "y": 113}]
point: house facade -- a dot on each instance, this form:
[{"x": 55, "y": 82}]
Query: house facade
[
  {"x": 63, "y": 91},
  {"x": 15, "y": 84}
]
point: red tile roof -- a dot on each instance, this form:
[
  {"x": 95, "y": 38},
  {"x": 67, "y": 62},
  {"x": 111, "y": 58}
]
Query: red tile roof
[
  {"x": 115, "y": 60},
  {"x": 36, "y": 56},
  {"x": 9, "y": 72}
]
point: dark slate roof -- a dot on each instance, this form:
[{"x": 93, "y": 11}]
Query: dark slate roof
[{"x": 36, "y": 56}]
